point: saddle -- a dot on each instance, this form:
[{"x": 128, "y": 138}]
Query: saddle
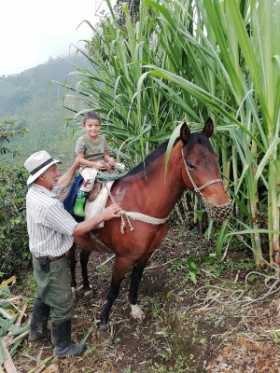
[
  {"x": 97, "y": 199},
  {"x": 98, "y": 196}
]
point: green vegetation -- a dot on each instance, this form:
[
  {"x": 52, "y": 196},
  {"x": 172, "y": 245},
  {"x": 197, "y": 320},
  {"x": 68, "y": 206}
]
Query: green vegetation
[
  {"x": 34, "y": 101},
  {"x": 8, "y": 130},
  {"x": 187, "y": 60},
  {"x": 14, "y": 250},
  {"x": 170, "y": 62},
  {"x": 195, "y": 267},
  {"x": 147, "y": 72},
  {"x": 12, "y": 332},
  {"x": 33, "y": 118}
]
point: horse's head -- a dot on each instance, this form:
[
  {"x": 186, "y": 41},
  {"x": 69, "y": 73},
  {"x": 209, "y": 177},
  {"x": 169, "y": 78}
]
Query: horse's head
[{"x": 200, "y": 171}]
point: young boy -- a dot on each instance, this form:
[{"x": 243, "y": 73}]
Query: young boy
[{"x": 94, "y": 152}]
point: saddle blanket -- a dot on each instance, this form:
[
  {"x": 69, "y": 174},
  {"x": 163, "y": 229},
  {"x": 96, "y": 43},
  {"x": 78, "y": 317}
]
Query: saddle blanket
[{"x": 98, "y": 204}]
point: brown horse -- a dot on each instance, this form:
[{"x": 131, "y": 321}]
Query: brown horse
[{"x": 151, "y": 191}]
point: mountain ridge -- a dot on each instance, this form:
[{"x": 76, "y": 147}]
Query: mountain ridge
[{"x": 35, "y": 102}]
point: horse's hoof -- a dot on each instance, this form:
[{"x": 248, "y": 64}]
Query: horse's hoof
[{"x": 136, "y": 312}]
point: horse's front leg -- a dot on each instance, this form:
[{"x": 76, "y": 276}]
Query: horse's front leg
[
  {"x": 84, "y": 257},
  {"x": 121, "y": 266},
  {"x": 136, "y": 276}
]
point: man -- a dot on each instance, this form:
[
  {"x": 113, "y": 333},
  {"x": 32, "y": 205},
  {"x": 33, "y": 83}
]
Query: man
[{"x": 52, "y": 231}]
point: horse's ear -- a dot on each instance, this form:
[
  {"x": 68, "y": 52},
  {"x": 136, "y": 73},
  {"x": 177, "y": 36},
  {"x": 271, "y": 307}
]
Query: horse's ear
[
  {"x": 184, "y": 132},
  {"x": 208, "y": 128}
]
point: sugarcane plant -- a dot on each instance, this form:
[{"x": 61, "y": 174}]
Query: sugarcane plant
[{"x": 188, "y": 60}]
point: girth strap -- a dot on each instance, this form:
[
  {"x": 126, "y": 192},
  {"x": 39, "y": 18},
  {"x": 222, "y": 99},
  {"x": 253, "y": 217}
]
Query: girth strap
[
  {"x": 134, "y": 215},
  {"x": 126, "y": 216}
]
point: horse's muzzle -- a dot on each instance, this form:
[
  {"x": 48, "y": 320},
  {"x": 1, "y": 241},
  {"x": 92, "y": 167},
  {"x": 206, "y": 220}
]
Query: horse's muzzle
[{"x": 218, "y": 213}]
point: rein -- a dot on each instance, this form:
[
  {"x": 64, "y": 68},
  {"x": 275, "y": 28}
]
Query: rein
[{"x": 216, "y": 212}]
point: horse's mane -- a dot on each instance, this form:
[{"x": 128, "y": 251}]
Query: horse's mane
[{"x": 143, "y": 166}]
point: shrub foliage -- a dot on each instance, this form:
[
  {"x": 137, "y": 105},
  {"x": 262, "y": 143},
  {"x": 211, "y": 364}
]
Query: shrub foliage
[{"x": 14, "y": 253}]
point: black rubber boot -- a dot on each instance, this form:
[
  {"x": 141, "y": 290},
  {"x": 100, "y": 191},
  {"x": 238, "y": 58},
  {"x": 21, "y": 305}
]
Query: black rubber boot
[
  {"x": 39, "y": 321},
  {"x": 64, "y": 347}
]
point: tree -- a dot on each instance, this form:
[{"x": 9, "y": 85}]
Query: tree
[{"x": 8, "y": 130}]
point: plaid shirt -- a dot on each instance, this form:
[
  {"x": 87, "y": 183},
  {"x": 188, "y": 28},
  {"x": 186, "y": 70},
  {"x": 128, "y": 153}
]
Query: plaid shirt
[{"x": 50, "y": 227}]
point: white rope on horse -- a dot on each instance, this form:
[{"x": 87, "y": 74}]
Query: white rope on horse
[{"x": 127, "y": 216}]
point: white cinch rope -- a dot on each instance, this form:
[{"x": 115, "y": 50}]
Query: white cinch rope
[
  {"x": 126, "y": 216},
  {"x": 134, "y": 215}
]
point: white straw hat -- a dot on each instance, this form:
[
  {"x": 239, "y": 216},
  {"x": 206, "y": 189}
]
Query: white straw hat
[{"x": 37, "y": 163}]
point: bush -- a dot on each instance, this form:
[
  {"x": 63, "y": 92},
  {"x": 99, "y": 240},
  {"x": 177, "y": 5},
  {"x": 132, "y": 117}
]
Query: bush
[{"x": 14, "y": 252}]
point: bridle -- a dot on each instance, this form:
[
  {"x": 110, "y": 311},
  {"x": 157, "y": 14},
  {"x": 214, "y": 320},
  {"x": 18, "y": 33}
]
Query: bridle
[
  {"x": 217, "y": 212},
  {"x": 195, "y": 187}
]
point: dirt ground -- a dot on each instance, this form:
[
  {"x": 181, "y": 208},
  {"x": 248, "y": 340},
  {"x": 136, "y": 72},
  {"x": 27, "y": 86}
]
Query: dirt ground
[{"x": 201, "y": 316}]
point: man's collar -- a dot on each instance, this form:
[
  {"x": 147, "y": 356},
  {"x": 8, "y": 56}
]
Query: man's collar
[{"x": 44, "y": 190}]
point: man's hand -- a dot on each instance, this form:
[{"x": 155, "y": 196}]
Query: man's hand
[
  {"x": 111, "y": 162},
  {"x": 65, "y": 180},
  {"x": 113, "y": 211}
]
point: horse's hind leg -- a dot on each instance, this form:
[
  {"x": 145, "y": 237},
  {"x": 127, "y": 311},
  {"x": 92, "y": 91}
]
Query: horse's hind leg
[
  {"x": 84, "y": 257},
  {"x": 121, "y": 266},
  {"x": 136, "y": 277},
  {"x": 72, "y": 258}
]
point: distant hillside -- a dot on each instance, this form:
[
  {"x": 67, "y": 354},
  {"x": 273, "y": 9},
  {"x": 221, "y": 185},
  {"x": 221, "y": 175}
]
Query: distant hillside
[{"x": 37, "y": 104}]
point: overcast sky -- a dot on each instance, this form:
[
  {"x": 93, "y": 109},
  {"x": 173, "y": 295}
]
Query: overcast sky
[{"x": 31, "y": 31}]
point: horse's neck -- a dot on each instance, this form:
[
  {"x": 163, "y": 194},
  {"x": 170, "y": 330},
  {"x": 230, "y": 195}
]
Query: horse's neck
[
  {"x": 168, "y": 187},
  {"x": 159, "y": 192}
]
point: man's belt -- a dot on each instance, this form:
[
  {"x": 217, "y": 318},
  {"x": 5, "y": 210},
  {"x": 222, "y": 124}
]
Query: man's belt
[{"x": 53, "y": 258}]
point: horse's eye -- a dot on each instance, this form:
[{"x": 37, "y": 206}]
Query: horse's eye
[{"x": 190, "y": 165}]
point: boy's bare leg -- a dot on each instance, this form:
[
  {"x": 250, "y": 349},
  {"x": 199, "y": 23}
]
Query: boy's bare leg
[{"x": 94, "y": 192}]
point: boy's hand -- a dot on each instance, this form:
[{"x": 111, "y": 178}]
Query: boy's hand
[
  {"x": 111, "y": 162},
  {"x": 113, "y": 211},
  {"x": 101, "y": 165}
]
